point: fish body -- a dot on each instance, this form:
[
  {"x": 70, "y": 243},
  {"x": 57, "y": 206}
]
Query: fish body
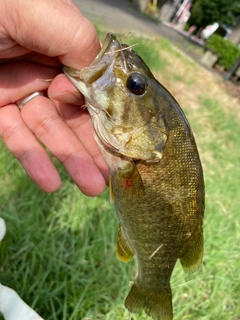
[{"x": 156, "y": 180}]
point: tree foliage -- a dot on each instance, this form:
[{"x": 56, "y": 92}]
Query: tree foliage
[{"x": 205, "y": 12}]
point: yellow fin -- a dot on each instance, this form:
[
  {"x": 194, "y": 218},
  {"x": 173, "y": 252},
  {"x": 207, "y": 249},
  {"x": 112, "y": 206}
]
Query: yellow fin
[
  {"x": 193, "y": 258},
  {"x": 124, "y": 249},
  {"x": 157, "y": 305},
  {"x": 111, "y": 193}
]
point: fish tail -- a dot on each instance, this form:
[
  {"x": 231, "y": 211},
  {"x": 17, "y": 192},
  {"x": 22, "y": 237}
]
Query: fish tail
[{"x": 158, "y": 305}]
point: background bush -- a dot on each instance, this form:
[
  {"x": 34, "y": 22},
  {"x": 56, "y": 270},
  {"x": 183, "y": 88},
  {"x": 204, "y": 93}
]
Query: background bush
[{"x": 227, "y": 51}]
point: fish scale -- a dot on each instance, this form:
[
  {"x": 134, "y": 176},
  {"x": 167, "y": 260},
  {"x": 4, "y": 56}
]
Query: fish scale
[{"x": 156, "y": 177}]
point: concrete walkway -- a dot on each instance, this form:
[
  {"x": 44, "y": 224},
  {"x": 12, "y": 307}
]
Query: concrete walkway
[
  {"x": 122, "y": 17},
  {"x": 117, "y": 15}
]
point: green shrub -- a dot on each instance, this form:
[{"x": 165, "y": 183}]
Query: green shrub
[{"x": 227, "y": 51}]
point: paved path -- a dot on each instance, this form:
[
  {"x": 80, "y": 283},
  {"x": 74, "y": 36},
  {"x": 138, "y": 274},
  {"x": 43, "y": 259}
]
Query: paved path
[
  {"x": 116, "y": 15},
  {"x": 122, "y": 17}
]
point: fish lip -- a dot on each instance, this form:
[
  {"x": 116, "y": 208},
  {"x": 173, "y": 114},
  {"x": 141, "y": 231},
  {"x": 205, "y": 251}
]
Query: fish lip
[
  {"x": 110, "y": 40},
  {"x": 83, "y": 79},
  {"x": 102, "y": 61}
]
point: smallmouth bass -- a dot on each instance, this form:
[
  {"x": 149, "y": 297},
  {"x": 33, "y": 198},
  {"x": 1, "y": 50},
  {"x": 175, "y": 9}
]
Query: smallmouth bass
[{"x": 156, "y": 178}]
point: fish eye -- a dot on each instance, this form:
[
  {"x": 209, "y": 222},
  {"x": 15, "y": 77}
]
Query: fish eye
[{"x": 137, "y": 83}]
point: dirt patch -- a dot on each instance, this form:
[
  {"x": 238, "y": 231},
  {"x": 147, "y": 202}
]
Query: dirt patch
[{"x": 232, "y": 88}]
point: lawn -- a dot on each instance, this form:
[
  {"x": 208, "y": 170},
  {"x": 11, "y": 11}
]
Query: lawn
[{"x": 59, "y": 251}]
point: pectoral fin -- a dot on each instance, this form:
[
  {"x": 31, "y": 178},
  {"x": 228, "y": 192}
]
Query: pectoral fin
[
  {"x": 124, "y": 249},
  {"x": 193, "y": 257},
  {"x": 129, "y": 181}
]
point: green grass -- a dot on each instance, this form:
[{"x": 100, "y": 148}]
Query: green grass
[
  {"x": 148, "y": 52},
  {"x": 59, "y": 251}
]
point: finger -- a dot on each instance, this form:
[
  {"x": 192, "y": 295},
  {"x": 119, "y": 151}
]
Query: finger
[
  {"x": 80, "y": 122},
  {"x": 19, "y": 79},
  {"x": 42, "y": 118},
  {"x": 36, "y": 58},
  {"x": 24, "y": 146},
  {"x": 62, "y": 90},
  {"x": 78, "y": 119},
  {"x": 61, "y": 30}
]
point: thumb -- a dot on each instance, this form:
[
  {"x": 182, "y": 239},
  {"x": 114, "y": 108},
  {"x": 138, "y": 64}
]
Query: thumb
[{"x": 53, "y": 28}]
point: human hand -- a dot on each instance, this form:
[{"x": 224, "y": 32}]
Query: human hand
[{"x": 36, "y": 38}]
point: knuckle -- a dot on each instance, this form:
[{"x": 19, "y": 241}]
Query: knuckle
[
  {"x": 26, "y": 155},
  {"x": 12, "y": 131},
  {"x": 44, "y": 127},
  {"x": 71, "y": 158},
  {"x": 80, "y": 122}
]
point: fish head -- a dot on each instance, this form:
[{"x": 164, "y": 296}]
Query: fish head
[{"x": 122, "y": 97}]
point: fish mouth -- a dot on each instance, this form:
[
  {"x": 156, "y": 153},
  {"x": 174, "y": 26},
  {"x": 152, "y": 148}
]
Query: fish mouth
[
  {"x": 102, "y": 64},
  {"x": 102, "y": 61}
]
